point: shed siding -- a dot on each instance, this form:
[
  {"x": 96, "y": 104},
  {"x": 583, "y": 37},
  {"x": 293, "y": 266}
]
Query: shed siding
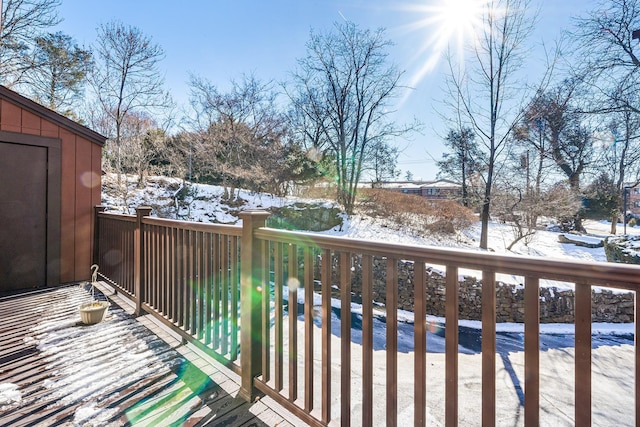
[
  {"x": 10, "y": 117},
  {"x": 83, "y": 215},
  {"x": 31, "y": 123},
  {"x": 49, "y": 129},
  {"x": 80, "y": 186},
  {"x": 67, "y": 210}
]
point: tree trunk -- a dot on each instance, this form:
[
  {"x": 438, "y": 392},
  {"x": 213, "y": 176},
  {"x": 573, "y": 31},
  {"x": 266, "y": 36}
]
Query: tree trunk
[
  {"x": 614, "y": 222},
  {"x": 484, "y": 222}
]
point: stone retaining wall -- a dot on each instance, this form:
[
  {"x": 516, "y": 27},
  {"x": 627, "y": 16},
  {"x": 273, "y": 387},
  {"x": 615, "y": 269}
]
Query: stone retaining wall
[{"x": 556, "y": 305}]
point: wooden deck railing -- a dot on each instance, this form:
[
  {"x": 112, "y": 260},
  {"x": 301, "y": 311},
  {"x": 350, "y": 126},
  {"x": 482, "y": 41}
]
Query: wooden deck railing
[
  {"x": 184, "y": 273},
  {"x": 187, "y": 274}
]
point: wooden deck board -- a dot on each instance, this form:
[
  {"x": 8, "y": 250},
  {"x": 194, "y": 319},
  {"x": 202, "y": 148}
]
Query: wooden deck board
[{"x": 118, "y": 372}]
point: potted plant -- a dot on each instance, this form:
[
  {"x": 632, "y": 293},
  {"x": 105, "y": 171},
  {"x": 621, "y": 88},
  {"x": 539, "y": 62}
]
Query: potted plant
[{"x": 93, "y": 312}]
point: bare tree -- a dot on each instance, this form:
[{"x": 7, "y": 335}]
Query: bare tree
[
  {"x": 142, "y": 141},
  {"x": 126, "y": 77},
  {"x": 239, "y": 135},
  {"x": 343, "y": 89},
  {"x": 485, "y": 86},
  {"x": 610, "y": 66},
  {"x": 519, "y": 208},
  {"x": 620, "y": 155},
  {"x": 608, "y": 55},
  {"x": 21, "y": 22}
]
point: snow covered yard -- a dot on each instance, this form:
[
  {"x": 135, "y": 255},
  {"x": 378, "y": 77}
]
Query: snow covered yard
[
  {"x": 206, "y": 205},
  {"x": 613, "y": 356}
]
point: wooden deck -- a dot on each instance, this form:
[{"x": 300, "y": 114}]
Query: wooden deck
[{"x": 124, "y": 371}]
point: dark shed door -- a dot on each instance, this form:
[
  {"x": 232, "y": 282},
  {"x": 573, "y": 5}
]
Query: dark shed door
[{"x": 23, "y": 216}]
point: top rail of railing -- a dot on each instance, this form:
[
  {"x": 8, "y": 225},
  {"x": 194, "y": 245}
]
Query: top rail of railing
[
  {"x": 604, "y": 274},
  {"x": 230, "y": 230}
]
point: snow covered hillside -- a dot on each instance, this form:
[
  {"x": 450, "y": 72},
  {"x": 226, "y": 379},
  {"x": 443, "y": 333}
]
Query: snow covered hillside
[{"x": 204, "y": 203}]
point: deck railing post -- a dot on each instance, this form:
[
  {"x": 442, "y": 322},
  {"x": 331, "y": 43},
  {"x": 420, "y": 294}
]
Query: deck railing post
[
  {"x": 138, "y": 266},
  {"x": 96, "y": 234},
  {"x": 250, "y": 301}
]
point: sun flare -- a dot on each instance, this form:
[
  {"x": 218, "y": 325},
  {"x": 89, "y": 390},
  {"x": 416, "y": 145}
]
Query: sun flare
[{"x": 449, "y": 24}]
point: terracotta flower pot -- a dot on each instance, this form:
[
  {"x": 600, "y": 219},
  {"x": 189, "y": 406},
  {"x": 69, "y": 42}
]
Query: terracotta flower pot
[{"x": 93, "y": 312}]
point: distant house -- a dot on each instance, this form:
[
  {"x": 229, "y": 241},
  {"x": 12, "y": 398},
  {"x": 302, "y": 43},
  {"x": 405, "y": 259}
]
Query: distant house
[
  {"x": 633, "y": 201},
  {"x": 434, "y": 190}
]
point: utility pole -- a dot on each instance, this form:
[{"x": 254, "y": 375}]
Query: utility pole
[
  {"x": 528, "y": 176},
  {"x": 624, "y": 215}
]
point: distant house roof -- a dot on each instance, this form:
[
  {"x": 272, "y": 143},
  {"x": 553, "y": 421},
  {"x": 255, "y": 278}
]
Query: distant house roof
[
  {"x": 400, "y": 185},
  {"x": 415, "y": 185},
  {"x": 441, "y": 183},
  {"x": 51, "y": 115}
]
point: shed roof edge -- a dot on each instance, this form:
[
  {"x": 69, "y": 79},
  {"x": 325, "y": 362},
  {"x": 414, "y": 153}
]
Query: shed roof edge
[{"x": 59, "y": 119}]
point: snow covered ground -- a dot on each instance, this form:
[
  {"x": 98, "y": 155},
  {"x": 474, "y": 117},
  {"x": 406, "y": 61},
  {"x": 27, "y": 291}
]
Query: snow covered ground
[{"x": 206, "y": 206}]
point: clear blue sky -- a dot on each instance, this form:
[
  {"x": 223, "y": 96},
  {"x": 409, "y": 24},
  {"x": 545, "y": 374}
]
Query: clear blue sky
[{"x": 222, "y": 39}]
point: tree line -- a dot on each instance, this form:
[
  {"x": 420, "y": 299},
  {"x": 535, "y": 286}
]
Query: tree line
[
  {"x": 563, "y": 145},
  {"x": 522, "y": 147},
  {"x": 330, "y": 121}
]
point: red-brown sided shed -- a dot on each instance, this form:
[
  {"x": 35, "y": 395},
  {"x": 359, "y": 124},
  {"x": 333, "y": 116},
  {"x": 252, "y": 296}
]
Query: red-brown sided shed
[{"x": 50, "y": 179}]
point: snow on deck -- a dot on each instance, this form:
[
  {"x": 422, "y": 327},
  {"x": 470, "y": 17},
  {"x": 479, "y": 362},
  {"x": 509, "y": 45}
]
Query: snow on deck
[{"x": 55, "y": 370}]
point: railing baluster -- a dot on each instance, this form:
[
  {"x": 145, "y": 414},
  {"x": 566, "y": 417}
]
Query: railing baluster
[
  {"x": 199, "y": 306},
  {"x": 367, "y": 340},
  {"x": 147, "y": 264},
  {"x": 488, "y": 348},
  {"x": 160, "y": 266},
  {"x": 123, "y": 266},
  {"x": 279, "y": 316},
  {"x": 199, "y": 313},
  {"x": 266, "y": 313},
  {"x": 224, "y": 298},
  {"x": 119, "y": 268},
  {"x": 129, "y": 242},
  {"x": 188, "y": 281},
  {"x": 235, "y": 295},
  {"x": 165, "y": 271},
  {"x": 420, "y": 336},
  {"x": 345, "y": 338},
  {"x": 636, "y": 336},
  {"x": 207, "y": 281},
  {"x": 169, "y": 273},
  {"x": 193, "y": 285},
  {"x": 392, "y": 341},
  {"x": 181, "y": 276},
  {"x": 308, "y": 332},
  {"x": 218, "y": 268},
  {"x": 583, "y": 355},
  {"x": 157, "y": 267},
  {"x": 175, "y": 275},
  {"x": 292, "y": 282},
  {"x": 154, "y": 264},
  {"x": 327, "y": 269},
  {"x": 532, "y": 351},
  {"x": 451, "y": 347},
  {"x": 139, "y": 267},
  {"x": 127, "y": 271}
]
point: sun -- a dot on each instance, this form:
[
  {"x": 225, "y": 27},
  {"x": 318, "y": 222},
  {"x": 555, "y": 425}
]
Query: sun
[{"x": 449, "y": 24}]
